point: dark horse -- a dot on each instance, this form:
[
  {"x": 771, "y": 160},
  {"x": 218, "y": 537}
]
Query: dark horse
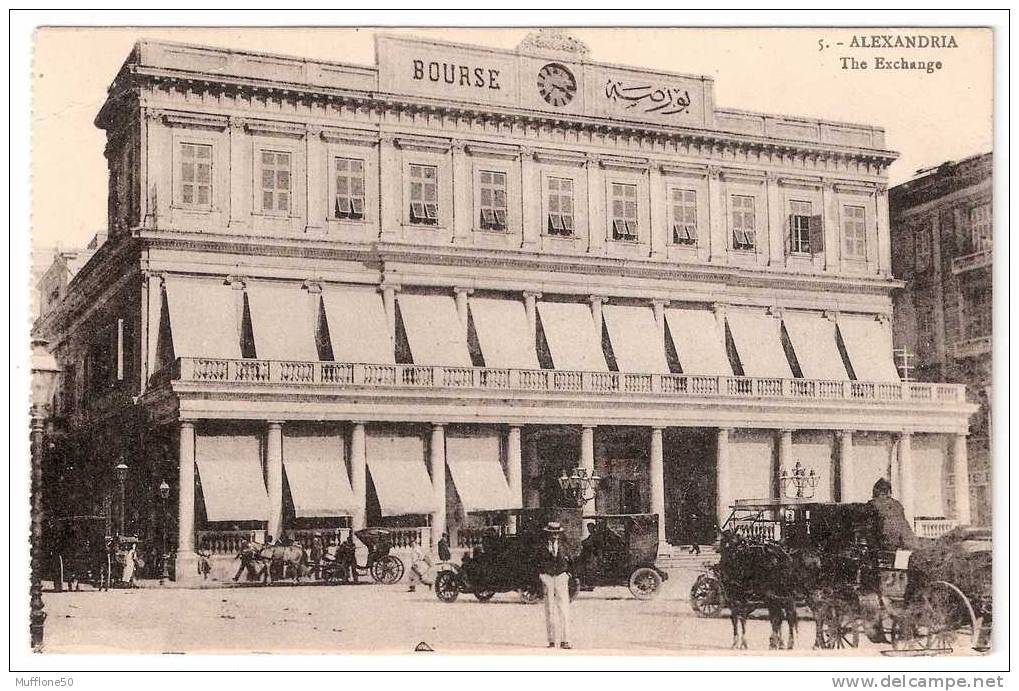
[{"x": 757, "y": 573}]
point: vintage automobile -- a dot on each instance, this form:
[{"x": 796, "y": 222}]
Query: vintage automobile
[
  {"x": 621, "y": 549},
  {"x": 507, "y": 562}
]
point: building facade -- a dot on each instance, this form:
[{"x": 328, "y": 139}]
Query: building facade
[
  {"x": 417, "y": 293},
  {"x": 942, "y": 248}
]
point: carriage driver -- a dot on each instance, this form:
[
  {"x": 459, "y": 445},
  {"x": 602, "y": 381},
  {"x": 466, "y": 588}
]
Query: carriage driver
[{"x": 893, "y": 529}]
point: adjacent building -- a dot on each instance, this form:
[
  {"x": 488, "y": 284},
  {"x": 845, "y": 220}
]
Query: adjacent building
[
  {"x": 415, "y": 294},
  {"x": 941, "y": 248}
]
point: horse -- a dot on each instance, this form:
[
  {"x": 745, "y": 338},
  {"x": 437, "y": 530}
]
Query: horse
[
  {"x": 281, "y": 557},
  {"x": 755, "y": 572}
]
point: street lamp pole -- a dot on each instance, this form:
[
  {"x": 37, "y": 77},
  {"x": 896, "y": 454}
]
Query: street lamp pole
[
  {"x": 45, "y": 372},
  {"x": 121, "y": 473},
  {"x": 164, "y": 494}
]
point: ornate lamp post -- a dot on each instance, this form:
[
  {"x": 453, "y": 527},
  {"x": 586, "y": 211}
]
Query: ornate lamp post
[
  {"x": 800, "y": 479},
  {"x": 45, "y": 372},
  {"x": 120, "y": 472},
  {"x": 164, "y": 494},
  {"x": 580, "y": 487}
]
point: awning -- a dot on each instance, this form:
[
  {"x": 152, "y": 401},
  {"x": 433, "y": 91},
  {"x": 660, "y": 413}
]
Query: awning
[
  {"x": 699, "y": 347},
  {"x": 397, "y": 467},
  {"x": 758, "y": 340},
  {"x": 283, "y": 321},
  {"x": 636, "y": 339},
  {"x": 869, "y": 346},
  {"x": 317, "y": 476},
  {"x": 476, "y": 467},
  {"x": 434, "y": 331},
  {"x": 203, "y": 318},
  {"x": 503, "y": 333},
  {"x": 813, "y": 339},
  {"x": 572, "y": 340},
  {"x": 230, "y": 468},
  {"x": 358, "y": 330}
]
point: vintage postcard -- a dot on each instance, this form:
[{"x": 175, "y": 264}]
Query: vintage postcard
[{"x": 512, "y": 341}]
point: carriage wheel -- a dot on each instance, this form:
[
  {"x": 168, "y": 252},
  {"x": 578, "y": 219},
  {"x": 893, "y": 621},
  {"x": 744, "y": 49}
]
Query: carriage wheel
[
  {"x": 484, "y": 595},
  {"x": 837, "y": 628},
  {"x": 644, "y": 583},
  {"x": 531, "y": 593},
  {"x": 387, "y": 570},
  {"x": 941, "y": 612},
  {"x": 447, "y": 586},
  {"x": 706, "y": 596}
]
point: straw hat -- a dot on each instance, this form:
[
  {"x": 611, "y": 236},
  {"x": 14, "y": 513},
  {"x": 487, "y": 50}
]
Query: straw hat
[{"x": 553, "y": 527}]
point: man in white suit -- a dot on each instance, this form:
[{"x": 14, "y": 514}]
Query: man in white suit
[{"x": 553, "y": 571}]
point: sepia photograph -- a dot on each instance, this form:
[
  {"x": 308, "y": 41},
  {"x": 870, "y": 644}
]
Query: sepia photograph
[{"x": 537, "y": 340}]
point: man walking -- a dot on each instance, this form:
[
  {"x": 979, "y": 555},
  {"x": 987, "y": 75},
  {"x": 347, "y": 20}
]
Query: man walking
[{"x": 553, "y": 571}]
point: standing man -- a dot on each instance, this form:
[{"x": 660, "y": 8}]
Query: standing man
[{"x": 553, "y": 571}]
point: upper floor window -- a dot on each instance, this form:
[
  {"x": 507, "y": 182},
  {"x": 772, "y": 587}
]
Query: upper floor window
[
  {"x": 424, "y": 193},
  {"x": 925, "y": 325},
  {"x": 276, "y": 182},
  {"x": 624, "y": 212},
  {"x": 854, "y": 232},
  {"x": 196, "y": 175},
  {"x": 684, "y": 216},
  {"x": 922, "y": 247},
  {"x": 349, "y": 201},
  {"x": 980, "y": 227},
  {"x": 978, "y": 312},
  {"x": 560, "y": 207},
  {"x": 744, "y": 223},
  {"x": 492, "y": 190},
  {"x": 799, "y": 227}
]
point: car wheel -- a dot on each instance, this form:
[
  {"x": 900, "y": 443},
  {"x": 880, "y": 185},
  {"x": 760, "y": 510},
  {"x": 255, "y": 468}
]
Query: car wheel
[
  {"x": 447, "y": 586},
  {"x": 644, "y": 583},
  {"x": 530, "y": 594}
]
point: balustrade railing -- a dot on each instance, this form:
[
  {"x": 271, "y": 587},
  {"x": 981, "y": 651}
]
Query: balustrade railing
[
  {"x": 932, "y": 527},
  {"x": 759, "y": 530},
  {"x": 226, "y": 371},
  {"x": 472, "y": 537},
  {"x": 222, "y": 541}
]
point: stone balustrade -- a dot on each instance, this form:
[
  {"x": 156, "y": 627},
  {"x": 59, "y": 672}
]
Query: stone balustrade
[
  {"x": 342, "y": 374},
  {"x": 932, "y": 527}
]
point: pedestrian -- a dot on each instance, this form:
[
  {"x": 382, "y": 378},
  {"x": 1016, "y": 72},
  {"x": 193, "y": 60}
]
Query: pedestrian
[
  {"x": 317, "y": 551},
  {"x": 443, "y": 548},
  {"x": 419, "y": 566},
  {"x": 553, "y": 572}
]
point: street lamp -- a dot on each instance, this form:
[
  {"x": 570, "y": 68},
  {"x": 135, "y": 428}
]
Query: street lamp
[
  {"x": 800, "y": 479},
  {"x": 580, "y": 487},
  {"x": 45, "y": 372},
  {"x": 120, "y": 472},
  {"x": 164, "y": 494}
]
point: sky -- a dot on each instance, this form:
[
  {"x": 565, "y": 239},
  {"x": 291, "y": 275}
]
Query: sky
[{"x": 928, "y": 118}]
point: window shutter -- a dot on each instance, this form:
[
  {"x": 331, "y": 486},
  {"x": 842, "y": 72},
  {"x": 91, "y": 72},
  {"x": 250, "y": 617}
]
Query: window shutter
[{"x": 816, "y": 235}]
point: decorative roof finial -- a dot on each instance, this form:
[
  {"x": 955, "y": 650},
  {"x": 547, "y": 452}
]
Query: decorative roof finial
[{"x": 544, "y": 40}]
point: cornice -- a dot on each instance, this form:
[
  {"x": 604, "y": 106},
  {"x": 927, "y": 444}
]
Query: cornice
[
  {"x": 571, "y": 158},
  {"x": 278, "y": 129},
  {"x": 432, "y": 145},
  {"x": 508, "y": 152},
  {"x": 192, "y": 120},
  {"x": 383, "y": 102},
  {"x": 358, "y": 137}
]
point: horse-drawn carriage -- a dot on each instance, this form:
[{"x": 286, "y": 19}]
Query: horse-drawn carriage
[
  {"x": 781, "y": 553},
  {"x": 383, "y": 567},
  {"x": 619, "y": 550}
]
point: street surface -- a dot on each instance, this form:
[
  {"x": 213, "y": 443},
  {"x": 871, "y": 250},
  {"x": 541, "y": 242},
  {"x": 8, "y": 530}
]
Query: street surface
[{"x": 371, "y": 618}]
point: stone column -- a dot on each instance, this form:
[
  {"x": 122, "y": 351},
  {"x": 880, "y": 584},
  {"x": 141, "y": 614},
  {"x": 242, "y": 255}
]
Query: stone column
[
  {"x": 596, "y": 313},
  {"x": 659, "y": 235},
  {"x": 391, "y": 211},
  {"x": 437, "y": 460},
  {"x": 389, "y": 291},
  {"x": 846, "y": 478},
  {"x": 358, "y": 475},
  {"x": 960, "y": 468},
  {"x": 657, "y": 473},
  {"x": 463, "y": 193},
  {"x": 830, "y": 224},
  {"x": 531, "y": 194},
  {"x": 185, "y": 568},
  {"x": 722, "y": 491},
  {"x": 514, "y": 469},
  {"x": 587, "y": 456},
  {"x": 718, "y": 226},
  {"x": 777, "y": 223},
  {"x": 905, "y": 479},
  {"x": 149, "y": 336},
  {"x": 884, "y": 238},
  {"x": 274, "y": 478},
  {"x": 785, "y": 461},
  {"x": 597, "y": 219},
  {"x": 316, "y": 205},
  {"x": 239, "y": 181},
  {"x": 531, "y": 309}
]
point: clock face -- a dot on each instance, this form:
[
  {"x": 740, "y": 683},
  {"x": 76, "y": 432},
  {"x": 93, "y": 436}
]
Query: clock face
[{"x": 556, "y": 84}]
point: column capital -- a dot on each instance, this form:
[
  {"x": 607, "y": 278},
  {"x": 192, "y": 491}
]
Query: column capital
[
  {"x": 905, "y": 434},
  {"x": 438, "y": 425},
  {"x": 235, "y": 282},
  {"x": 845, "y": 432},
  {"x": 313, "y": 286},
  {"x": 599, "y": 299},
  {"x": 187, "y": 424},
  {"x": 274, "y": 424},
  {"x": 395, "y": 287},
  {"x": 663, "y": 302},
  {"x": 531, "y": 294},
  {"x": 657, "y": 429},
  {"x": 460, "y": 290}
]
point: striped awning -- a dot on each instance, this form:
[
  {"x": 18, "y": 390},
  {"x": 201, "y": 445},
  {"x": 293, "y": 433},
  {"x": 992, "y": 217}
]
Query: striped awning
[
  {"x": 230, "y": 469},
  {"x": 203, "y": 317}
]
